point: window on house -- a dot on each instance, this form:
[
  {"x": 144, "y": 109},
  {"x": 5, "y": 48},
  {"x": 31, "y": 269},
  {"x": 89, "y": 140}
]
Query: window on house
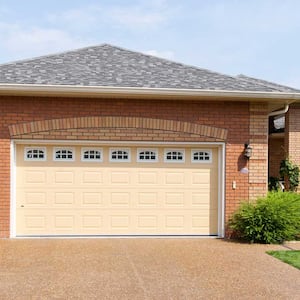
[
  {"x": 119, "y": 155},
  {"x": 91, "y": 154},
  {"x": 174, "y": 155},
  {"x": 36, "y": 153},
  {"x": 147, "y": 155},
  {"x": 201, "y": 156},
  {"x": 63, "y": 154}
]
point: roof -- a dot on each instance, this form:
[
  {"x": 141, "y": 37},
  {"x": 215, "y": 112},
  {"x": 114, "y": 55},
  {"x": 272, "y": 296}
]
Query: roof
[
  {"x": 279, "y": 87},
  {"x": 110, "y": 66}
]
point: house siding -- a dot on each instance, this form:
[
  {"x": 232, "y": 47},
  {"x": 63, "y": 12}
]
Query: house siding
[{"x": 242, "y": 121}]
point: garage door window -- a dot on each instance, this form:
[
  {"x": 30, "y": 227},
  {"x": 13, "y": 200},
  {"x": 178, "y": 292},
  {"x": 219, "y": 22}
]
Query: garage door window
[
  {"x": 91, "y": 154},
  {"x": 174, "y": 155},
  {"x": 201, "y": 156},
  {"x": 119, "y": 155},
  {"x": 147, "y": 155},
  {"x": 63, "y": 154},
  {"x": 35, "y": 154}
]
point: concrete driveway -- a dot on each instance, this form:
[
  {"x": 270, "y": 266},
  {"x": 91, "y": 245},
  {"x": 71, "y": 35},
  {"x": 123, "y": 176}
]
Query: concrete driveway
[{"x": 142, "y": 269}]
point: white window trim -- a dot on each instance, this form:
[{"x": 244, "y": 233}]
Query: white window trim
[
  {"x": 139, "y": 150},
  {"x": 174, "y": 150},
  {"x": 35, "y": 148},
  {"x": 55, "y": 149},
  {"x": 111, "y": 150},
  {"x": 91, "y": 149},
  {"x": 201, "y": 161}
]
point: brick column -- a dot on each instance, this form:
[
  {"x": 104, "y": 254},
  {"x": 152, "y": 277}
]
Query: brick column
[
  {"x": 4, "y": 187},
  {"x": 258, "y": 163},
  {"x": 292, "y": 134}
]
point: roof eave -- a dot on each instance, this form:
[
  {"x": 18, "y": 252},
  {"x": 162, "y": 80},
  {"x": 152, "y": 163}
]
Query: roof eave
[{"x": 143, "y": 92}]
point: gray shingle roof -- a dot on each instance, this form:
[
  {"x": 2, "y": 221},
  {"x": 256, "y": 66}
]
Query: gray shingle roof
[
  {"x": 107, "y": 65},
  {"x": 279, "y": 87}
]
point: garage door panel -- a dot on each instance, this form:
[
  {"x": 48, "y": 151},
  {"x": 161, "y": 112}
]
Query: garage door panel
[
  {"x": 92, "y": 198},
  {"x": 174, "y": 199},
  {"x": 174, "y": 178},
  {"x": 120, "y": 199},
  {"x": 35, "y": 198},
  {"x": 147, "y": 199},
  {"x": 174, "y": 222},
  {"x": 119, "y": 177},
  {"x": 91, "y": 177},
  {"x": 202, "y": 178},
  {"x": 148, "y": 178},
  {"x": 92, "y": 222},
  {"x": 202, "y": 199},
  {"x": 120, "y": 222},
  {"x": 149, "y": 222},
  {"x": 64, "y": 222},
  {"x": 64, "y": 198},
  {"x": 35, "y": 177},
  {"x": 104, "y": 198},
  {"x": 35, "y": 222},
  {"x": 64, "y": 177}
]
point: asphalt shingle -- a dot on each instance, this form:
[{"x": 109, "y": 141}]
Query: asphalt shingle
[{"x": 107, "y": 65}]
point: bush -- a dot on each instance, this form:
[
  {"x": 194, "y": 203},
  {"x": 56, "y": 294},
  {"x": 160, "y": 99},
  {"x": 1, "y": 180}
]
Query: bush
[
  {"x": 290, "y": 173},
  {"x": 270, "y": 220},
  {"x": 274, "y": 184}
]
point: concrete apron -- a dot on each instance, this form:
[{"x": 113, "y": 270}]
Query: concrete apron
[{"x": 143, "y": 269}]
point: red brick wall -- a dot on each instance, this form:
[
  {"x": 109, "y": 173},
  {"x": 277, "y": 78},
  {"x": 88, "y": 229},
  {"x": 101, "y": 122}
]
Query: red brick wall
[
  {"x": 4, "y": 186},
  {"x": 276, "y": 155},
  {"x": 292, "y": 134},
  {"x": 234, "y": 116},
  {"x": 258, "y": 164}
]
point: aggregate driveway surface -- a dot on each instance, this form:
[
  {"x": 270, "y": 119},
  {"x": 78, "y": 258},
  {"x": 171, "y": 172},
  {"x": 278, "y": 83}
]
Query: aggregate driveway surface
[{"x": 142, "y": 269}]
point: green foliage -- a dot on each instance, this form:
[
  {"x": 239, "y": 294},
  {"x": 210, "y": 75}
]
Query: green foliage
[
  {"x": 274, "y": 184},
  {"x": 290, "y": 172},
  {"x": 270, "y": 220},
  {"x": 289, "y": 257}
]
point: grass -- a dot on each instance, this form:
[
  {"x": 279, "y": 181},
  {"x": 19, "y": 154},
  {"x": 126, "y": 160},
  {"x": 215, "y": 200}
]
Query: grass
[{"x": 291, "y": 257}]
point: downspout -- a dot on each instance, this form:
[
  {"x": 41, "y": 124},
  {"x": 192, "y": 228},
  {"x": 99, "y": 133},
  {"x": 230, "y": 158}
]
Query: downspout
[{"x": 279, "y": 112}]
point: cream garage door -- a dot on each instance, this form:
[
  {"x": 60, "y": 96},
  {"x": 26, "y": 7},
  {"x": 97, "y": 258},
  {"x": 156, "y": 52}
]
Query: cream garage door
[{"x": 81, "y": 190}]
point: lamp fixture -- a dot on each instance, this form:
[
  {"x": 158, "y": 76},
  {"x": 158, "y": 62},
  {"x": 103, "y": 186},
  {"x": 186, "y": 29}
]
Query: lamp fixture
[{"x": 247, "y": 151}]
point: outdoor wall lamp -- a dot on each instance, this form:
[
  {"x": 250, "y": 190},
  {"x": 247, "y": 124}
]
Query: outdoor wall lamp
[{"x": 247, "y": 151}]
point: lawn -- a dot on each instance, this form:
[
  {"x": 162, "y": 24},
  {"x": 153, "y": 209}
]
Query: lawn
[{"x": 291, "y": 257}]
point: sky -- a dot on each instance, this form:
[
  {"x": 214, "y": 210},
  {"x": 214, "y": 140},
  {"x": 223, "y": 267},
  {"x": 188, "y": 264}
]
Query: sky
[{"x": 258, "y": 38}]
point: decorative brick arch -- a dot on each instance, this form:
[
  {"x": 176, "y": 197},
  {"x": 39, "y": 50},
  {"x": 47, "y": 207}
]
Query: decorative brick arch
[{"x": 34, "y": 128}]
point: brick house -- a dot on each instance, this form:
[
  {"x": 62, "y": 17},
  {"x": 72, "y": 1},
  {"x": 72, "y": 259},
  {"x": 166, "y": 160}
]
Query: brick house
[{"x": 107, "y": 141}]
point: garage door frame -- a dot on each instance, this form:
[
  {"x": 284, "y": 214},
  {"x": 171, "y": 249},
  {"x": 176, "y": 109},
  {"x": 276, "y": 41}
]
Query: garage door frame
[{"x": 221, "y": 171}]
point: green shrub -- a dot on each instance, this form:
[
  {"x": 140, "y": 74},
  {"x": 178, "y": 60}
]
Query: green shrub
[
  {"x": 290, "y": 172},
  {"x": 270, "y": 220},
  {"x": 274, "y": 184}
]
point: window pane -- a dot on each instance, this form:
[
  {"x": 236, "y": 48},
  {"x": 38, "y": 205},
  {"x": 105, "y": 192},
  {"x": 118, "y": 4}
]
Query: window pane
[
  {"x": 119, "y": 155},
  {"x": 35, "y": 154},
  {"x": 64, "y": 154},
  {"x": 201, "y": 156}
]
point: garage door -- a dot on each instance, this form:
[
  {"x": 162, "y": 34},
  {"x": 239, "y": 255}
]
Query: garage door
[{"x": 119, "y": 190}]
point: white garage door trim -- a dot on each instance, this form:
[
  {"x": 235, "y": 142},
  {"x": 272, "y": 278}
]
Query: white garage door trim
[{"x": 221, "y": 168}]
